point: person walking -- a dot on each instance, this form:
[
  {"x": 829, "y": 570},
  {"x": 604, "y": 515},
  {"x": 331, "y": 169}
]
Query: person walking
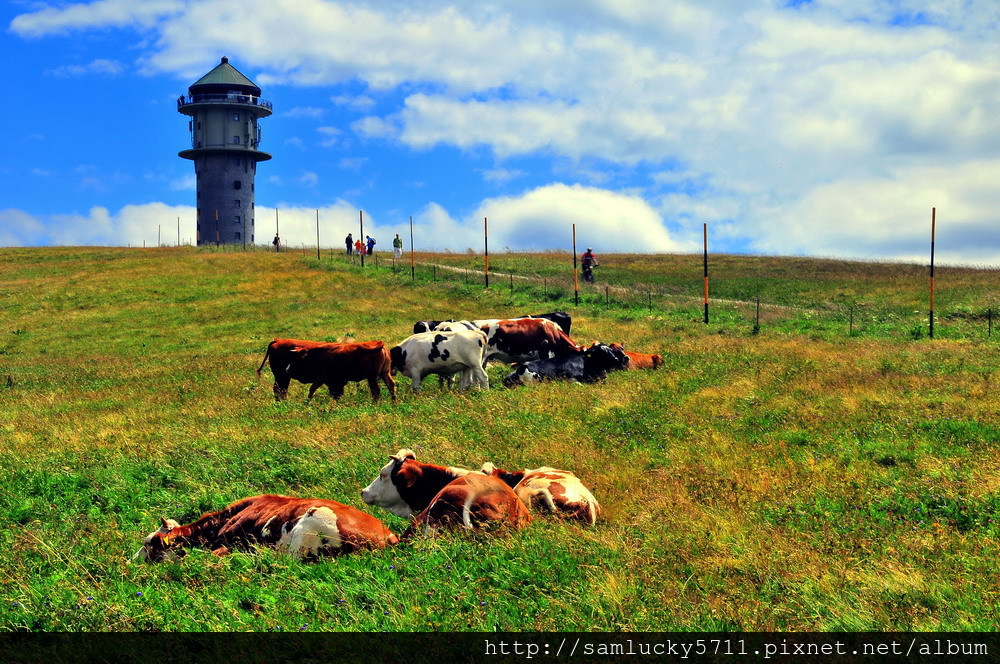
[
  {"x": 277, "y": 243},
  {"x": 397, "y": 247},
  {"x": 349, "y": 243},
  {"x": 371, "y": 244},
  {"x": 358, "y": 247}
]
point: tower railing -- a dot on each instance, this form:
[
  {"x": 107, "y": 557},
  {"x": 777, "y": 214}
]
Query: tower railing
[{"x": 226, "y": 98}]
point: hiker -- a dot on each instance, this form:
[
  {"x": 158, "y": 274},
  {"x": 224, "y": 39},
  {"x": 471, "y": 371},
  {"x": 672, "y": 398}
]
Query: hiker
[
  {"x": 349, "y": 243},
  {"x": 397, "y": 246},
  {"x": 276, "y": 242},
  {"x": 371, "y": 244}
]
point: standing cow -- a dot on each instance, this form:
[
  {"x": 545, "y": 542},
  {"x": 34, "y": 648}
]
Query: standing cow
[
  {"x": 443, "y": 496},
  {"x": 279, "y": 352},
  {"x": 442, "y": 353},
  {"x": 526, "y": 339},
  {"x": 335, "y": 365},
  {"x": 306, "y": 528}
]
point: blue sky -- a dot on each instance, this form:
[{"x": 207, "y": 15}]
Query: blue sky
[{"x": 817, "y": 127}]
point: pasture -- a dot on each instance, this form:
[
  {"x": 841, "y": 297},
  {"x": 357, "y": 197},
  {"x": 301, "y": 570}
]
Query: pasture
[{"x": 800, "y": 478}]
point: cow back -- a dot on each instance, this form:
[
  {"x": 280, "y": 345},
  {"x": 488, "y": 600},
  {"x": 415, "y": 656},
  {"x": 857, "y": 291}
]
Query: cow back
[{"x": 474, "y": 501}]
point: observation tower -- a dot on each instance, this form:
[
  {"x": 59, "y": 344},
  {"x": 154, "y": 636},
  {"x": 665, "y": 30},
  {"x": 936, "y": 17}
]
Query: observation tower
[{"x": 225, "y": 107}]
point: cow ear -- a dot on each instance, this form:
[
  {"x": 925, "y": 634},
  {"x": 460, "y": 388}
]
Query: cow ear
[
  {"x": 403, "y": 455},
  {"x": 488, "y": 468},
  {"x": 165, "y": 523}
]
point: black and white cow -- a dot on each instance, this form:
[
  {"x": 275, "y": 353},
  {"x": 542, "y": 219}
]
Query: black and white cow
[
  {"x": 586, "y": 366},
  {"x": 442, "y": 353}
]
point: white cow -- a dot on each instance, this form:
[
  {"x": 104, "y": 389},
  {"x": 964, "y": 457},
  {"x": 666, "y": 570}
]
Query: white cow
[{"x": 443, "y": 353}]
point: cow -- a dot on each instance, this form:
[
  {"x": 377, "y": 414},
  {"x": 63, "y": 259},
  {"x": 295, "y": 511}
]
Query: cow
[
  {"x": 585, "y": 366},
  {"x": 526, "y": 339},
  {"x": 426, "y": 325},
  {"x": 335, "y": 365},
  {"x": 442, "y": 353},
  {"x": 306, "y": 528},
  {"x": 640, "y": 360},
  {"x": 279, "y": 352},
  {"x": 545, "y": 489},
  {"x": 560, "y": 318},
  {"x": 443, "y": 496}
]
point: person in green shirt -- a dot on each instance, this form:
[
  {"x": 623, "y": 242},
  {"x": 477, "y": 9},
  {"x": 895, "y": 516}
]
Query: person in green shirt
[{"x": 397, "y": 246}]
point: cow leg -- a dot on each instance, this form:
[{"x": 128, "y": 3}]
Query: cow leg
[
  {"x": 479, "y": 377},
  {"x": 416, "y": 382},
  {"x": 373, "y": 386},
  {"x": 466, "y": 379},
  {"x": 390, "y": 384},
  {"x": 312, "y": 389},
  {"x": 336, "y": 391},
  {"x": 281, "y": 387}
]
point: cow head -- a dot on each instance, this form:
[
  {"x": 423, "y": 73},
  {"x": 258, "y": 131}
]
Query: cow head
[
  {"x": 397, "y": 359},
  {"x": 383, "y": 490},
  {"x": 509, "y": 478},
  {"x": 521, "y": 375},
  {"x": 425, "y": 326},
  {"x": 161, "y": 544},
  {"x": 601, "y": 358}
]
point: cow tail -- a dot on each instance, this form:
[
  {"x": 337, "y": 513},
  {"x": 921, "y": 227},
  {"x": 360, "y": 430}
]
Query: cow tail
[{"x": 264, "y": 361}]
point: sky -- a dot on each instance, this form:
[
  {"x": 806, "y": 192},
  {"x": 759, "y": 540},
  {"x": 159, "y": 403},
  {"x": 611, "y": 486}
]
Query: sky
[{"x": 790, "y": 127}]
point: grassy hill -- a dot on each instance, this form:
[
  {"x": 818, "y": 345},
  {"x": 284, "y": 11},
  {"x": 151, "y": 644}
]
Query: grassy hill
[{"x": 801, "y": 478}]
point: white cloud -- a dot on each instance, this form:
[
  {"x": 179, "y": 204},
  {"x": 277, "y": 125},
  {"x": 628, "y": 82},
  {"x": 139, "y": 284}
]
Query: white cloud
[
  {"x": 891, "y": 216},
  {"x": 99, "y": 66},
  {"x": 132, "y": 225}
]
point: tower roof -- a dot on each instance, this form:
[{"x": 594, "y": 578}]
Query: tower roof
[{"x": 228, "y": 76}]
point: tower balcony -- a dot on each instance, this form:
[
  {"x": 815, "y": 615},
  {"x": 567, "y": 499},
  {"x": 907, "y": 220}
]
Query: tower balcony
[{"x": 187, "y": 103}]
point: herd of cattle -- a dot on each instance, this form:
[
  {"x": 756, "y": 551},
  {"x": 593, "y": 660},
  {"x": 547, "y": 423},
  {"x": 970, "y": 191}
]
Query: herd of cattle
[
  {"x": 538, "y": 347},
  {"x": 431, "y": 496}
]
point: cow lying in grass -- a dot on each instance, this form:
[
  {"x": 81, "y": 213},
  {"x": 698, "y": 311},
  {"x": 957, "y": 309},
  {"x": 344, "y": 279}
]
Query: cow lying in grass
[
  {"x": 545, "y": 489},
  {"x": 443, "y": 496},
  {"x": 583, "y": 366},
  {"x": 640, "y": 360},
  {"x": 306, "y": 528}
]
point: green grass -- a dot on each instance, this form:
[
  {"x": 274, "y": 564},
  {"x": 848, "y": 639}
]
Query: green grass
[{"x": 795, "y": 479}]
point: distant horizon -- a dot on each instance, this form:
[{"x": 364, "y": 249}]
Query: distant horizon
[
  {"x": 791, "y": 127},
  {"x": 338, "y": 250}
]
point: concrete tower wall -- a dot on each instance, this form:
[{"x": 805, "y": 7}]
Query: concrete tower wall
[{"x": 225, "y": 184}]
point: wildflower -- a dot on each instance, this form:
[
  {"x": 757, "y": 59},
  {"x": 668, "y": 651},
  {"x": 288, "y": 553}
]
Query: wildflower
[{"x": 138, "y": 593}]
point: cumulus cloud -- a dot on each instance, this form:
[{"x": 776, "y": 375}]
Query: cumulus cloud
[{"x": 132, "y": 225}]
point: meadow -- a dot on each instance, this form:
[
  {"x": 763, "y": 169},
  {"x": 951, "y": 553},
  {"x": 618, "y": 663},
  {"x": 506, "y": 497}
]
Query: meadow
[{"x": 795, "y": 476}]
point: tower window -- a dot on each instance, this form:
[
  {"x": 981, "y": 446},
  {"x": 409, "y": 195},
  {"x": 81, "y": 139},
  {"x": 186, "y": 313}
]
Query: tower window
[
  {"x": 236, "y": 117},
  {"x": 237, "y": 233},
  {"x": 236, "y": 140},
  {"x": 237, "y": 184},
  {"x": 237, "y": 203}
]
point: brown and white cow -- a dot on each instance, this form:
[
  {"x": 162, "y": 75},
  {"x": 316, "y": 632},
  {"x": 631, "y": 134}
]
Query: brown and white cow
[
  {"x": 306, "y": 528},
  {"x": 545, "y": 489},
  {"x": 640, "y": 360},
  {"x": 526, "y": 339},
  {"x": 279, "y": 352},
  {"x": 443, "y": 496},
  {"x": 337, "y": 364}
]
